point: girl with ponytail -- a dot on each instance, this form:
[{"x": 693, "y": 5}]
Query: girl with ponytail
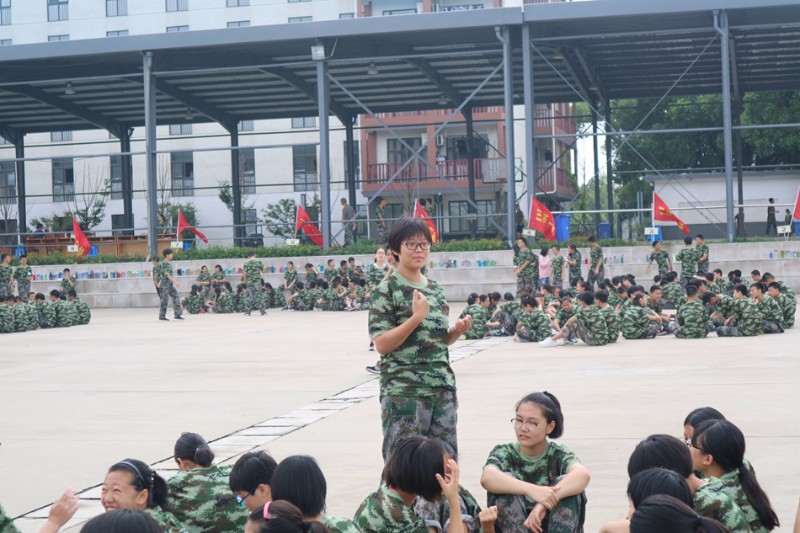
[
  {"x": 718, "y": 451},
  {"x": 200, "y": 494},
  {"x": 131, "y": 484},
  {"x": 666, "y": 514},
  {"x": 281, "y": 516}
]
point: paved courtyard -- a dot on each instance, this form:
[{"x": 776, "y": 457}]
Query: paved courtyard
[{"x": 74, "y": 401}]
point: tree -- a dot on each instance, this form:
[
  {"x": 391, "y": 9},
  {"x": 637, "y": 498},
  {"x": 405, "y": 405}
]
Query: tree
[
  {"x": 280, "y": 218},
  {"x": 168, "y": 207},
  {"x": 91, "y": 208}
]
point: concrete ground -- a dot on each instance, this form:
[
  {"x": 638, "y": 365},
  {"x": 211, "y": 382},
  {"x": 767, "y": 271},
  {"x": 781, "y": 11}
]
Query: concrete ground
[{"x": 74, "y": 401}]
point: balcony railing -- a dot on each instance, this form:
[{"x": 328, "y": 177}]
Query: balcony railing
[
  {"x": 442, "y": 112},
  {"x": 486, "y": 170},
  {"x": 551, "y": 178},
  {"x": 544, "y": 119}
]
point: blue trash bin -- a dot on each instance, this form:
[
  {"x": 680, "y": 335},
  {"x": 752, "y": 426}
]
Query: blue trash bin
[
  {"x": 562, "y": 227},
  {"x": 796, "y": 228},
  {"x": 604, "y": 231}
]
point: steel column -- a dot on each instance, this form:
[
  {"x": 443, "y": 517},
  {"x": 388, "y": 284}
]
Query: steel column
[
  {"x": 739, "y": 167},
  {"x": 22, "y": 208},
  {"x": 508, "y": 93},
  {"x": 530, "y": 113},
  {"x": 609, "y": 169},
  {"x": 350, "y": 154},
  {"x": 324, "y": 152},
  {"x": 596, "y": 154},
  {"x": 127, "y": 180},
  {"x": 150, "y": 153},
  {"x": 721, "y": 25},
  {"x": 473, "y": 221},
  {"x": 236, "y": 186}
]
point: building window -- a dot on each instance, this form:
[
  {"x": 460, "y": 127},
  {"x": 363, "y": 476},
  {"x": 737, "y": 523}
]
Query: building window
[
  {"x": 60, "y": 136},
  {"x": 180, "y": 129},
  {"x": 176, "y": 29},
  {"x": 357, "y": 157},
  {"x": 238, "y": 3},
  {"x": 457, "y": 147},
  {"x": 304, "y": 162},
  {"x": 115, "y": 171},
  {"x": 486, "y": 210},
  {"x": 458, "y": 211},
  {"x": 5, "y": 12},
  {"x": 57, "y": 10},
  {"x": 393, "y": 212},
  {"x": 117, "y": 33},
  {"x": 118, "y": 225},
  {"x": 397, "y": 154},
  {"x": 250, "y": 220},
  {"x": 177, "y": 5},
  {"x": 8, "y": 182},
  {"x": 304, "y": 122},
  {"x": 239, "y": 24},
  {"x": 299, "y": 19},
  {"x": 246, "y": 125},
  {"x": 388, "y": 12},
  {"x": 116, "y": 8},
  {"x": 182, "y": 166},
  {"x": 5, "y": 42},
  {"x": 247, "y": 170},
  {"x": 54, "y": 38},
  {"x": 63, "y": 180},
  {"x": 347, "y": 16}
]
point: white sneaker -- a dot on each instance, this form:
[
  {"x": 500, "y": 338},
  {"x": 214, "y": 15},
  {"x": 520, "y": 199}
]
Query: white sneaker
[
  {"x": 561, "y": 342},
  {"x": 548, "y": 343}
]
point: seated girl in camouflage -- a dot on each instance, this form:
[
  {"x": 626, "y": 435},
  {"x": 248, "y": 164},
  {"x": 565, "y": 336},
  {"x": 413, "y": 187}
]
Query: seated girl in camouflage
[
  {"x": 195, "y": 303},
  {"x": 536, "y": 484},
  {"x": 280, "y": 516},
  {"x": 409, "y": 321},
  {"x": 476, "y": 308},
  {"x": 224, "y": 303},
  {"x": 692, "y": 317},
  {"x": 300, "y": 481},
  {"x": 533, "y": 325},
  {"x": 199, "y": 492},
  {"x": 588, "y": 324},
  {"x": 504, "y": 320},
  {"x": 609, "y": 314},
  {"x": 416, "y": 469},
  {"x": 639, "y": 321},
  {"x": 131, "y": 484}
]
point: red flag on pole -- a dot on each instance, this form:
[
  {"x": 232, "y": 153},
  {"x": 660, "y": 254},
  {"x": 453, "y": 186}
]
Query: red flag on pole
[
  {"x": 419, "y": 212},
  {"x": 183, "y": 225},
  {"x": 309, "y": 228},
  {"x": 541, "y": 220},
  {"x": 796, "y": 214},
  {"x": 80, "y": 238},
  {"x": 662, "y": 212}
]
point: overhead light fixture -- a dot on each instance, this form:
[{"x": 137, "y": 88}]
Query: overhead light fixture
[
  {"x": 318, "y": 52},
  {"x": 558, "y": 54},
  {"x": 372, "y": 70},
  {"x": 443, "y": 100},
  {"x": 188, "y": 115},
  {"x": 70, "y": 89},
  {"x": 593, "y": 87}
]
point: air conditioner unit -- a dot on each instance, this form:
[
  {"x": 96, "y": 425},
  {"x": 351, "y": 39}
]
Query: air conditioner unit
[{"x": 440, "y": 140}]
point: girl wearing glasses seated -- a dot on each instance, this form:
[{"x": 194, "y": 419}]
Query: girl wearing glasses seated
[
  {"x": 200, "y": 494},
  {"x": 536, "y": 484},
  {"x": 409, "y": 322},
  {"x": 130, "y": 484}
]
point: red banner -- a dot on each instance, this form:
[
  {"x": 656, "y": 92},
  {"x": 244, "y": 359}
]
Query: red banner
[
  {"x": 183, "y": 225},
  {"x": 796, "y": 214},
  {"x": 541, "y": 220},
  {"x": 662, "y": 212},
  {"x": 80, "y": 238},
  {"x": 309, "y": 228},
  {"x": 419, "y": 212}
]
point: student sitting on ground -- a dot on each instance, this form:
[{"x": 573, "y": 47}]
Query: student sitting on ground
[
  {"x": 692, "y": 317},
  {"x": 638, "y": 321},
  {"x": 588, "y": 324},
  {"x": 250, "y": 479},
  {"x": 608, "y": 313},
  {"x": 745, "y": 320},
  {"x": 84, "y": 314},
  {"x": 478, "y": 314},
  {"x": 533, "y": 325}
]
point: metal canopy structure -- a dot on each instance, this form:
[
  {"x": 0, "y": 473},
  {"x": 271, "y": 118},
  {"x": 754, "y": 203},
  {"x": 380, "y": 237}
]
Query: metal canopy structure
[{"x": 596, "y": 50}]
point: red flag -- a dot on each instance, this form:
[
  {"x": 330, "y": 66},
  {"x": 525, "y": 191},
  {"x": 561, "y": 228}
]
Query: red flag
[
  {"x": 80, "y": 239},
  {"x": 183, "y": 225},
  {"x": 796, "y": 214},
  {"x": 419, "y": 212},
  {"x": 541, "y": 220},
  {"x": 309, "y": 228},
  {"x": 662, "y": 212}
]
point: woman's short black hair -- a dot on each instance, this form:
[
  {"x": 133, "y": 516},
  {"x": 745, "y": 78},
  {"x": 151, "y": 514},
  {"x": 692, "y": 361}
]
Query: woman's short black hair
[
  {"x": 143, "y": 477},
  {"x": 701, "y": 414},
  {"x": 299, "y": 480},
  {"x": 666, "y": 514},
  {"x": 413, "y": 466},
  {"x": 662, "y": 451},
  {"x": 658, "y": 481},
  {"x": 251, "y": 470},
  {"x": 193, "y": 447},
  {"x": 282, "y": 517},
  {"x": 122, "y": 521},
  {"x": 404, "y": 229},
  {"x": 551, "y": 408}
]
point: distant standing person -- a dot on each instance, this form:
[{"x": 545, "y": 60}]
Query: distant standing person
[
  {"x": 251, "y": 276},
  {"x": 596, "y": 263},
  {"x": 702, "y": 254},
  {"x": 380, "y": 215},
  {"x": 787, "y": 220},
  {"x": 661, "y": 258},
  {"x": 574, "y": 263},
  {"x": 6, "y": 273},
  {"x": 348, "y": 222},
  {"x": 557, "y": 268},
  {"x": 771, "y": 223},
  {"x": 167, "y": 284},
  {"x": 23, "y": 275},
  {"x": 519, "y": 221},
  {"x": 545, "y": 268}
]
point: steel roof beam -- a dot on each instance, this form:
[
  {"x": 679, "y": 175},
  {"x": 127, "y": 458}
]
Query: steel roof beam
[
  {"x": 437, "y": 79},
  {"x": 582, "y": 89},
  {"x": 225, "y": 119},
  {"x": 591, "y": 74},
  {"x": 310, "y": 90}
]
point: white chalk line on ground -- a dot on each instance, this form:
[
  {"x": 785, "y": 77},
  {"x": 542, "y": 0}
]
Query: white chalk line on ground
[{"x": 229, "y": 447}]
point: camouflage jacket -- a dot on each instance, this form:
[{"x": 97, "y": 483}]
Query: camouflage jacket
[
  {"x": 478, "y": 313},
  {"x": 46, "y": 314},
  {"x": 688, "y": 258},
  {"x": 65, "y": 314},
  {"x": 439, "y": 512},
  {"x": 592, "y": 319},
  {"x": 557, "y": 264},
  {"x": 82, "y": 310},
  {"x": 225, "y": 303},
  {"x": 6, "y": 524},
  {"x": 384, "y": 510},
  {"x": 421, "y": 364},
  {"x": 66, "y": 285},
  {"x": 535, "y": 322},
  {"x": 544, "y": 469},
  {"x": 20, "y": 317},
  {"x": 202, "y": 499},
  {"x": 32, "y": 316},
  {"x": 22, "y": 273},
  {"x": 770, "y": 310},
  {"x": 252, "y": 271},
  {"x": 562, "y": 315},
  {"x": 6, "y": 319},
  {"x": 194, "y": 303},
  {"x": 661, "y": 259},
  {"x": 289, "y": 277},
  {"x": 711, "y": 501},
  {"x": 748, "y": 321},
  {"x": 575, "y": 270},
  {"x": 532, "y": 270},
  {"x": 6, "y": 273},
  {"x": 692, "y": 318},
  {"x": 634, "y": 322},
  {"x": 168, "y": 521},
  {"x": 375, "y": 275},
  {"x": 788, "y": 307},
  {"x": 338, "y": 525},
  {"x": 732, "y": 487},
  {"x": 702, "y": 250},
  {"x": 595, "y": 255},
  {"x": 612, "y": 322}
]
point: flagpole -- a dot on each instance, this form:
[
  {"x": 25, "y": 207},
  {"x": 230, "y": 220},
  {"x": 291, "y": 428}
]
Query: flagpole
[
  {"x": 296, "y": 219},
  {"x": 653, "y": 209}
]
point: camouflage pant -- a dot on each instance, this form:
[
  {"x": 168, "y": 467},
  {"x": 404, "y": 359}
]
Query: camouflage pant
[
  {"x": 383, "y": 234},
  {"x": 297, "y": 304},
  {"x": 768, "y": 326},
  {"x": 525, "y": 283},
  {"x": 567, "y": 516},
  {"x": 508, "y": 323},
  {"x": 525, "y": 335},
  {"x": 254, "y": 297},
  {"x": 168, "y": 291},
  {"x": 23, "y": 288},
  {"x": 593, "y": 279},
  {"x": 430, "y": 416},
  {"x": 576, "y": 329},
  {"x": 349, "y": 233},
  {"x": 5, "y": 289},
  {"x": 574, "y": 278},
  {"x": 729, "y": 331}
]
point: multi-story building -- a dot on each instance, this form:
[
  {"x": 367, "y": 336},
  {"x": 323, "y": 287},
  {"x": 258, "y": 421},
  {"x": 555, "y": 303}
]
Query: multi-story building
[{"x": 278, "y": 157}]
